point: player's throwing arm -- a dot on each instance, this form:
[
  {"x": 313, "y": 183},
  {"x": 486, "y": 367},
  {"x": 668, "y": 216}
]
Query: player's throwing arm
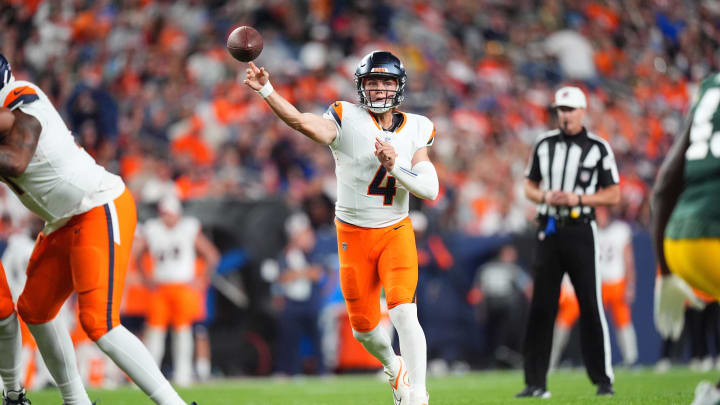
[{"x": 311, "y": 125}]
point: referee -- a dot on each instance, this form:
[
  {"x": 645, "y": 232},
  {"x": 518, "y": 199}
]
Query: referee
[{"x": 571, "y": 171}]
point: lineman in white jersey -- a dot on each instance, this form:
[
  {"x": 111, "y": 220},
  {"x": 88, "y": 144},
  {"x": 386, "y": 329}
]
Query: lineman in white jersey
[
  {"x": 15, "y": 260},
  {"x": 381, "y": 156},
  {"x": 176, "y": 293},
  {"x": 617, "y": 266},
  {"x": 85, "y": 247}
]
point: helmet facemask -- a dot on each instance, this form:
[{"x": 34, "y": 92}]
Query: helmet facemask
[{"x": 392, "y": 99}]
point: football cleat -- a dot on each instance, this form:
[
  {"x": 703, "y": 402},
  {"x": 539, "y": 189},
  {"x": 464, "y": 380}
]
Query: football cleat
[
  {"x": 706, "y": 394},
  {"x": 15, "y": 397},
  {"x": 605, "y": 389},
  {"x": 534, "y": 392},
  {"x": 398, "y": 379}
]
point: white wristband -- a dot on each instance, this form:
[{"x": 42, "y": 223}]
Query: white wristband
[{"x": 266, "y": 90}]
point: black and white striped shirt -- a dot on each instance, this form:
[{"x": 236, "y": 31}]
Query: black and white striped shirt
[{"x": 582, "y": 163}]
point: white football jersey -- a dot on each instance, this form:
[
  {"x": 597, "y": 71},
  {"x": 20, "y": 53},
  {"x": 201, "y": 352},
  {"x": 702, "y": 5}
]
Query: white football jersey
[
  {"x": 611, "y": 244},
  {"x": 366, "y": 195},
  {"x": 61, "y": 180},
  {"x": 172, "y": 249}
]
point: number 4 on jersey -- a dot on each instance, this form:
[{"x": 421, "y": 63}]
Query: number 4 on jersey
[{"x": 376, "y": 188}]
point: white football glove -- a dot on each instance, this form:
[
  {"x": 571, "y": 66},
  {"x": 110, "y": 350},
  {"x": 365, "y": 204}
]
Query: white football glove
[{"x": 670, "y": 294}]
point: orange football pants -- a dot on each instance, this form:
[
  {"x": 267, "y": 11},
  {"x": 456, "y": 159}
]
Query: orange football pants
[
  {"x": 176, "y": 305},
  {"x": 89, "y": 255},
  {"x": 568, "y": 308},
  {"x": 7, "y": 307},
  {"x": 613, "y": 296},
  {"x": 371, "y": 258}
]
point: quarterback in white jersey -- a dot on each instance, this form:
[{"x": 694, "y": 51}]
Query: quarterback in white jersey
[
  {"x": 381, "y": 157},
  {"x": 367, "y": 196},
  {"x": 90, "y": 219},
  {"x": 176, "y": 291}
]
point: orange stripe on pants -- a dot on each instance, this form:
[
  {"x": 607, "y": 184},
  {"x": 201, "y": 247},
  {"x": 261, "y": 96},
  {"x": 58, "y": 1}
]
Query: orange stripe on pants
[
  {"x": 82, "y": 256},
  {"x": 371, "y": 258}
]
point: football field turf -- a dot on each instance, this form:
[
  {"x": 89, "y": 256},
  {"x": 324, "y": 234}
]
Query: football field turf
[{"x": 567, "y": 387}]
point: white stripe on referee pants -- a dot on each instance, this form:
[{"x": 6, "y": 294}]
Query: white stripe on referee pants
[{"x": 601, "y": 309}]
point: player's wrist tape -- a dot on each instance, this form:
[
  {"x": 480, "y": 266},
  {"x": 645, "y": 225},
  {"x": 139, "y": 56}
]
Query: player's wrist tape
[
  {"x": 266, "y": 90},
  {"x": 422, "y": 180}
]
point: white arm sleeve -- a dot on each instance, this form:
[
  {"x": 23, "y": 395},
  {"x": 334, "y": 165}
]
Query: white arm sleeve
[{"x": 422, "y": 180}]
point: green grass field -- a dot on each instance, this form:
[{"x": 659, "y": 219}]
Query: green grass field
[{"x": 568, "y": 387}]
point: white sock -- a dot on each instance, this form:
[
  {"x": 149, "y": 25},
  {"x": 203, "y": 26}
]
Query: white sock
[
  {"x": 413, "y": 347},
  {"x": 113, "y": 374},
  {"x": 377, "y": 343},
  {"x": 57, "y": 350},
  {"x": 628, "y": 344},
  {"x": 126, "y": 350},
  {"x": 42, "y": 374},
  {"x": 10, "y": 353},
  {"x": 561, "y": 334},
  {"x": 26, "y": 361},
  {"x": 155, "y": 342},
  {"x": 203, "y": 368},
  {"x": 182, "y": 356},
  {"x": 83, "y": 354}
]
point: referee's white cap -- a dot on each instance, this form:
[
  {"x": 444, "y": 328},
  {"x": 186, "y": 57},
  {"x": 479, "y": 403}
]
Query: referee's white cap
[{"x": 570, "y": 97}]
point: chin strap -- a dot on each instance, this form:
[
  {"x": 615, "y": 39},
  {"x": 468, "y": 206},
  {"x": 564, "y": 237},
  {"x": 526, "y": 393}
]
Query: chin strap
[{"x": 379, "y": 110}]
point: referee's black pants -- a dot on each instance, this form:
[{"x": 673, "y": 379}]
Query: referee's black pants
[{"x": 570, "y": 249}]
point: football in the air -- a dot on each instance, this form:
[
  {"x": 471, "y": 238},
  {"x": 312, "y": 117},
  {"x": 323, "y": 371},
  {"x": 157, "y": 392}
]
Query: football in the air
[{"x": 244, "y": 43}]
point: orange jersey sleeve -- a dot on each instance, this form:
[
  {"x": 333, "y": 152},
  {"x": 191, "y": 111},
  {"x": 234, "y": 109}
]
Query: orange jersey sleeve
[
  {"x": 336, "y": 111},
  {"x": 431, "y": 140}
]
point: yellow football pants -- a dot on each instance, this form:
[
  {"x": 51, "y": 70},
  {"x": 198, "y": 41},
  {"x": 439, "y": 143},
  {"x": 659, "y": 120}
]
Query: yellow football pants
[{"x": 697, "y": 261}]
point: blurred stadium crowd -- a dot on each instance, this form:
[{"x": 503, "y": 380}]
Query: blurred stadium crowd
[{"x": 150, "y": 91}]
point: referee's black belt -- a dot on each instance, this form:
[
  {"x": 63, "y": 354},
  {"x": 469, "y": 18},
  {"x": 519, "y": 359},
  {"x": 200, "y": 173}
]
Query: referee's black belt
[{"x": 565, "y": 220}]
